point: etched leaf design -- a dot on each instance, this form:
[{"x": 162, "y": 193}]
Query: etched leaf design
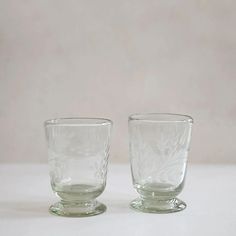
[{"x": 159, "y": 152}]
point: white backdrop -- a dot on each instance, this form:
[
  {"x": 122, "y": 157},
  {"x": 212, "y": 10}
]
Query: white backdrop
[{"x": 110, "y": 58}]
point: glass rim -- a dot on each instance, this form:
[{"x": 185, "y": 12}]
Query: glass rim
[
  {"x": 78, "y": 121},
  {"x": 160, "y": 117}
]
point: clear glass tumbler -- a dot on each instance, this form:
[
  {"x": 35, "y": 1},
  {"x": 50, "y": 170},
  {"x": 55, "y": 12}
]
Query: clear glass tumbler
[
  {"x": 159, "y": 145},
  {"x": 78, "y": 150}
]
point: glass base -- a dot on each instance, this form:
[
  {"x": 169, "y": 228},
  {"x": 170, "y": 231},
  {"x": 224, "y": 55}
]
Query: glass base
[
  {"x": 158, "y": 206},
  {"x": 77, "y": 209}
]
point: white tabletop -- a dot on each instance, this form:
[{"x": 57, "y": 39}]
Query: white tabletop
[{"x": 210, "y": 193}]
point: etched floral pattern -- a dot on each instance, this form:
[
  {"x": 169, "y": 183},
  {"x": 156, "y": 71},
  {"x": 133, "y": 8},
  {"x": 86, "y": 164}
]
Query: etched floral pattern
[
  {"x": 158, "y": 151},
  {"x": 78, "y": 154}
]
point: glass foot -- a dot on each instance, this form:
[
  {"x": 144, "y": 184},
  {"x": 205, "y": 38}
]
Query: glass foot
[
  {"x": 78, "y": 209},
  {"x": 154, "y": 206}
]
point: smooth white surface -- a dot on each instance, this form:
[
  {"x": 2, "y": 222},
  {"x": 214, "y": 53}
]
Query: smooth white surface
[
  {"x": 209, "y": 192},
  {"x": 111, "y": 58}
]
